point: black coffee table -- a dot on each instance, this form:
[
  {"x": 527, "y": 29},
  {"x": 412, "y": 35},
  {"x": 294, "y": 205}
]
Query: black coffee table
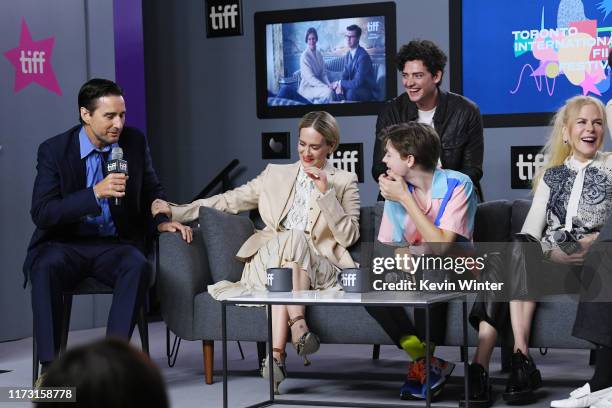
[{"x": 422, "y": 300}]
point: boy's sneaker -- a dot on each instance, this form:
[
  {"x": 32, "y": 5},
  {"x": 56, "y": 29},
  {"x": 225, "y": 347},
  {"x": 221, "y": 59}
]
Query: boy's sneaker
[{"x": 415, "y": 386}]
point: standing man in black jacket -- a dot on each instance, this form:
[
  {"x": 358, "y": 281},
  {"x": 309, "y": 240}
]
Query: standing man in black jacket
[{"x": 456, "y": 119}]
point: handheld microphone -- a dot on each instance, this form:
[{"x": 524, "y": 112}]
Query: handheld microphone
[{"x": 117, "y": 165}]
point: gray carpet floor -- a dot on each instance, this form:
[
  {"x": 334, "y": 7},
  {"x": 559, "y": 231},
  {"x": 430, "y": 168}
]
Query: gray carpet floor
[{"x": 337, "y": 373}]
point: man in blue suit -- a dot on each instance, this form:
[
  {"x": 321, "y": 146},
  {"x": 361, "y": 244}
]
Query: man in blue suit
[
  {"x": 80, "y": 230},
  {"x": 358, "y": 81}
]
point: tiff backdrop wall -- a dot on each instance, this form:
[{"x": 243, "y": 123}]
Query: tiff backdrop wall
[
  {"x": 200, "y": 105},
  {"x": 201, "y": 97},
  {"x": 81, "y": 47}
]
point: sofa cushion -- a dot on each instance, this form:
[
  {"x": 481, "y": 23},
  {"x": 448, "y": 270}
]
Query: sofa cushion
[
  {"x": 222, "y": 252},
  {"x": 378, "y": 211},
  {"x": 361, "y": 251},
  {"x": 492, "y": 223},
  {"x": 520, "y": 208}
]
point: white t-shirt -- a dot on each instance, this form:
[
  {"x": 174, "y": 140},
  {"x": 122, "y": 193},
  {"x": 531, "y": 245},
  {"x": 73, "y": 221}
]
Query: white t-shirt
[{"x": 426, "y": 117}]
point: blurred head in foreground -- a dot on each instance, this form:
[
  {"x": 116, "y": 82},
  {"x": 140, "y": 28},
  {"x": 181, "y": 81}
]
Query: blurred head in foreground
[{"x": 108, "y": 373}]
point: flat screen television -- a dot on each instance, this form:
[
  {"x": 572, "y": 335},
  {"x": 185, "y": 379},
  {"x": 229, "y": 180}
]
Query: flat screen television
[
  {"x": 293, "y": 77},
  {"x": 520, "y": 60}
]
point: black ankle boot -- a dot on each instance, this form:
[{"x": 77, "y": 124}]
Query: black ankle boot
[
  {"x": 524, "y": 379},
  {"x": 479, "y": 388}
]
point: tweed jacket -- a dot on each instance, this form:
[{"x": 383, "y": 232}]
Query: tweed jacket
[{"x": 549, "y": 209}]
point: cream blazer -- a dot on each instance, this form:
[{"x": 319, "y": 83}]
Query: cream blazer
[{"x": 333, "y": 217}]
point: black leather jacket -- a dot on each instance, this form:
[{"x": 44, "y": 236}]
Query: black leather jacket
[{"x": 459, "y": 124}]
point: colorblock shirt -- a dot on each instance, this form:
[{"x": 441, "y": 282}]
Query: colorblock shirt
[{"x": 453, "y": 208}]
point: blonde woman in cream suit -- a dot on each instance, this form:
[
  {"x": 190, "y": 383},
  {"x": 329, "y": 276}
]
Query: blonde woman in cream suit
[{"x": 311, "y": 212}]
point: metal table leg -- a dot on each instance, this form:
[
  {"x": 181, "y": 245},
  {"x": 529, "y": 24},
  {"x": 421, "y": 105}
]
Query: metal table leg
[
  {"x": 224, "y": 337},
  {"x": 427, "y": 359},
  {"x": 466, "y": 369},
  {"x": 270, "y": 355}
]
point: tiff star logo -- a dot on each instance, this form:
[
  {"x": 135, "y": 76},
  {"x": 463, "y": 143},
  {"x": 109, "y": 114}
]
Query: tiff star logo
[{"x": 32, "y": 61}]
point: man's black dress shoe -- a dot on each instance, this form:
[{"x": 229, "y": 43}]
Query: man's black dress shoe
[
  {"x": 479, "y": 388},
  {"x": 524, "y": 379}
]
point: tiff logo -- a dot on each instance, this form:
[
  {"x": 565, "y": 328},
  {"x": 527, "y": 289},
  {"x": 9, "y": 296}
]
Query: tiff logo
[
  {"x": 32, "y": 60},
  {"x": 117, "y": 165},
  {"x": 348, "y": 279},
  {"x": 219, "y": 19},
  {"x": 528, "y": 168},
  {"x": 270, "y": 279},
  {"x": 33, "y": 63},
  {"x": 346, "y": 160},
  {"x": 224, "y": 17},
  {"x": 347, "y": 157},
  {"x": 525, "y": 161},
  {"x": 373, "y": 26}
]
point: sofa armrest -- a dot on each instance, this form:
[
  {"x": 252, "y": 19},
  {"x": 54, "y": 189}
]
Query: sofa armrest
[
  {"x": 183, "y": 273},
  {"x": 492, "y": 222},
  {"x": 362, "y": 250}
]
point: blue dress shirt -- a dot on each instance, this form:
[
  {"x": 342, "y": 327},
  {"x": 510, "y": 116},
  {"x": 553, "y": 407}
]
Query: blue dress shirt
[{"x": 95, "y": 174}]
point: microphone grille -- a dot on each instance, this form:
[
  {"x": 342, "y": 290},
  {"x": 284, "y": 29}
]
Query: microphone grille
[{"x": 117, "y": 153}]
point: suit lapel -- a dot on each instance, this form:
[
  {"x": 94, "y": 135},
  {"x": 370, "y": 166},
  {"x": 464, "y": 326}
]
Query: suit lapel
[
  {"x": 77, "y": 165},
  {"x": 316, "y": 211},
  {"x": 354, "y": 62},
  {"x": 349, "y": 64},
  {"x": 286, "y": 190}
]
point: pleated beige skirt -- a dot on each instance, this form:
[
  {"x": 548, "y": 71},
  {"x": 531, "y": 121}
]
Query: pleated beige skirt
[{"x": 286, "y": 248}]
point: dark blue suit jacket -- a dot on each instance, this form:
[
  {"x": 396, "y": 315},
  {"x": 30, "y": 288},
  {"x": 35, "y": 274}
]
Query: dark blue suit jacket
[
  {"x": 358, "y": 78},
  {"x": 61, "y": 200}
]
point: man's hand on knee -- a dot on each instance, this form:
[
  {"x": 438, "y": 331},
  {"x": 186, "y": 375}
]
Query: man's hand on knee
[{"x": 173, "y": 226}]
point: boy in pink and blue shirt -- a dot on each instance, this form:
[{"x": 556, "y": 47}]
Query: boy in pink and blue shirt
[
  {"x": 424, "y": 204},
  {"x": 452, "y": 208}
]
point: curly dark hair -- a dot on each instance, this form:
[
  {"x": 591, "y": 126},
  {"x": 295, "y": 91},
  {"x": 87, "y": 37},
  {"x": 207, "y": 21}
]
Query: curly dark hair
[{"x": 432, "y": 56}]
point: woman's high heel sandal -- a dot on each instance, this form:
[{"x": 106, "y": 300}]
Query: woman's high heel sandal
[
  {"x": 279, "y": 372},
  {"x": 308, "y": 343}
]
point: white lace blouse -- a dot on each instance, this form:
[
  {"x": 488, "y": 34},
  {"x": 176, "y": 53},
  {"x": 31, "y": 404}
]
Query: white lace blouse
[{"x": 297, "y": 217}]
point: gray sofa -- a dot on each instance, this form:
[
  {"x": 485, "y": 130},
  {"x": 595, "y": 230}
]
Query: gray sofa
[{"x": 190, "y": 312}]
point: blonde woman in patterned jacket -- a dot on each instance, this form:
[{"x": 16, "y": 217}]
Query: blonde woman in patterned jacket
[{"x": 572, "y": 198}]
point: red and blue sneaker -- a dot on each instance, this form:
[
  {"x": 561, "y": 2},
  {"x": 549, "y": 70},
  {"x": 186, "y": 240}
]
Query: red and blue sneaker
[{"x": 415, "y": 386}]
